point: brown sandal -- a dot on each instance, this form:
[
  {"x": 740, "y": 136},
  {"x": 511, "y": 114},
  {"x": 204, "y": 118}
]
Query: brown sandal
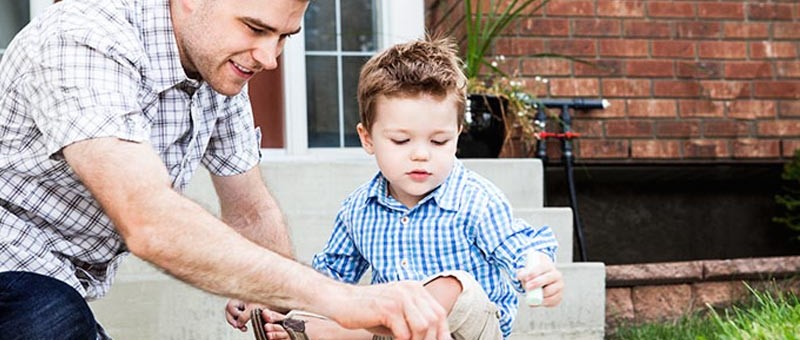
[{"x": 295, "y": 327}]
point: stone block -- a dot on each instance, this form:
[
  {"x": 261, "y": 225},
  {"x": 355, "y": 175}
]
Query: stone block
[
  {"x": 659, "y": 303},
  {"x": 754, "y": 268},
  {"x": 716, "y": 294},
  {"x": 619, "y": 306},
  {"x": 653, "y": 273}
]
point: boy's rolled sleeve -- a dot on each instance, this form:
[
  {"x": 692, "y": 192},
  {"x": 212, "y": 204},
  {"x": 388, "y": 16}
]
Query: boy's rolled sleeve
[{"x": 340, "y": 258}]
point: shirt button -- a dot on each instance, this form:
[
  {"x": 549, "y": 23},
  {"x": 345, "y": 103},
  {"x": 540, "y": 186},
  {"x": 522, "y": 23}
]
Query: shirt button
[
  {"x": 404, "y": 263},
  {"x": 404, "y": 220}
]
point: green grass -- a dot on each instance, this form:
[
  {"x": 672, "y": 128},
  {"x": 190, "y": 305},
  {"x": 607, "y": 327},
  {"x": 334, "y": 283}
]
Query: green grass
[{"x": 766, "y": 315}]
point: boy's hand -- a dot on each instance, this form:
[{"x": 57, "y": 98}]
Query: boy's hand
[{"x": 544, "y": 275}]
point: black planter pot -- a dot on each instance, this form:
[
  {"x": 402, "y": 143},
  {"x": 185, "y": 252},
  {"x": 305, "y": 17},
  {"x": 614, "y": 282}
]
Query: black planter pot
[{"x": 484, "y": 130}]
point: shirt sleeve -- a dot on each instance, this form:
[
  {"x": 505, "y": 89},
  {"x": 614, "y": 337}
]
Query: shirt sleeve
[
  {"x": 235, "y": 144},
  {"x": 340, "y": 259},
  {"x": 505, "y": 239},
  {"x": 84, "y": 85}
]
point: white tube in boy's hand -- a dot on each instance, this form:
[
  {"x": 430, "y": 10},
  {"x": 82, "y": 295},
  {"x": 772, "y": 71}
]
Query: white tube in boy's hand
[{"x": 533, "y": 297}]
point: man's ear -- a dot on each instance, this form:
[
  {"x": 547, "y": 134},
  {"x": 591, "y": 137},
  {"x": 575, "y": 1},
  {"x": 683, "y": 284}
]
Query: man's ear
[{"x": 366, "y": 139}]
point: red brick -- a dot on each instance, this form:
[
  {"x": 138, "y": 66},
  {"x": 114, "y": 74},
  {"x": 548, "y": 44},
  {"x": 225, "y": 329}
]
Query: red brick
[
  {"x": 597, "y": 27},
  {"x": 678, "y": 129},
  {"x": 751, "y": 109},
  {"x": 777, "y": 89},
  {"x": 706, "y": 148},
  {"x": 588, "y": 128},
  {"x": 629, "y": 128},
  {"x": 703, "y": 70},
  {"x": 787, "y": 69},
  {"x": 779, "y": 128},
  {"x": 623, "y": 47},
  {"x": 695, "y": 29},
  {"x": 744, "y": 30},
  {"x": 601, "y": 149},
  {"x": 722, "y": 49},
  {"x": 772, "y": 49},
  {"x": 646, "y": 29},
  {"x": 575, "y": 87},
  {"x": 626, "y": 87},
  {"x": 788, "y": 147},
  {"x": 670, "y": 9},
  {"x": 653, "y": 108},
  {"x": 786, "y": 30},
  {"x": 769, "y": 11},
  {"x": 606, "y": 68},
  {"x": 756, "y": 148},
  {"x": 615, "y": 110},
  {"x": 570, "y": 8},
  {"x": 538, "y": 26},
  {"x": 677, "y": 88},
  {"x": 726, "y": 89},
  {"x": 748, "y": 70},
  {"x": 720, "y": 10},
  {"x": 726, "y": 128},
  {"x": 661, "y": 149},
  {"x": 546, "y": 66},
  {"x": 616, "y": 8},
  {"x": 573, "y": 47},
  {"x": 518, "y": 46},
  {"x": 649, "y": 68},
  {"x": 789, "y": 108},
  {"x": 701, "y": 108},
  {"x": 673, "y": 49}
]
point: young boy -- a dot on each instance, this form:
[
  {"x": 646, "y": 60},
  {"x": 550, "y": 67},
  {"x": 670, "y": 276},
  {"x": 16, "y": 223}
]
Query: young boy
[{"x": 424, "y": 216}]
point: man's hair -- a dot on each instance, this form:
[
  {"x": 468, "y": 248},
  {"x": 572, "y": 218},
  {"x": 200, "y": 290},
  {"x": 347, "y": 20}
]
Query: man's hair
[{"x": 428, "y": 66}]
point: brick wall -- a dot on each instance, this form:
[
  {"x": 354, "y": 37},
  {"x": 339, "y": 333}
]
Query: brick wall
[{"x": 687, "y": 80}]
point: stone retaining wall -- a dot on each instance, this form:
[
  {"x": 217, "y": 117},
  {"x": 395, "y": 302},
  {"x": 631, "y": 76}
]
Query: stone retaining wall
[{"x": 666, "y": 291}]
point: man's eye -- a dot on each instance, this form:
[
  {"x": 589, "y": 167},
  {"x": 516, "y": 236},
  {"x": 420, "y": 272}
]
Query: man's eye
[
  {"x": 399, "y": 141},
  {"x": 254, "y": 29}
]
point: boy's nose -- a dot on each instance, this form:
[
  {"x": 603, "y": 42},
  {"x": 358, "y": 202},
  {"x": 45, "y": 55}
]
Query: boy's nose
[{"x": 420, "y": 153}]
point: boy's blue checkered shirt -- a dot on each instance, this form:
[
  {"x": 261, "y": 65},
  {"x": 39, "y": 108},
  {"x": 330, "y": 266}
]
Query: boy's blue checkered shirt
[{"x": 464, "y": 224}]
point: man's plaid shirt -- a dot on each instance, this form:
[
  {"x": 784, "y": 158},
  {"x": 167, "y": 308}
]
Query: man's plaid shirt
[{"x": 99, "y": 68}]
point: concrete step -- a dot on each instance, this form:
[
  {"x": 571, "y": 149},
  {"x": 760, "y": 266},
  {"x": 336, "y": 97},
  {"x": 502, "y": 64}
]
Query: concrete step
[
  {"x": 147, "y": 304},
  {"x": 581, "y": 314},
  {"x": 302, "y": 185}
]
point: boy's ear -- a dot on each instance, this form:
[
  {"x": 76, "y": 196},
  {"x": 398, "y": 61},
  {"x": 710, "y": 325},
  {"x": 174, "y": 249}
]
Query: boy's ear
[{"x": 366, "y": 139}]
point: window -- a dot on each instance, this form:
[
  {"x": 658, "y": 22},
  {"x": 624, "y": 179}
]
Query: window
[
  {"x": 15, "y": 14},
  {"x": 321, "y": 66}
]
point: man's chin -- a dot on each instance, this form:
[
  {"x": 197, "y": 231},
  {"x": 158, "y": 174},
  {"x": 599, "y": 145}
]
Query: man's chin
[{"x": 229, "y": 90}]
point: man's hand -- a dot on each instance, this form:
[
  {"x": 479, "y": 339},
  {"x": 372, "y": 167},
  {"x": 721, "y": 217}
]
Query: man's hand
[
  {"x": 237, "y": 313},
  {"x": 404, "y": 310},
  {"x": 544, "y": 275}
]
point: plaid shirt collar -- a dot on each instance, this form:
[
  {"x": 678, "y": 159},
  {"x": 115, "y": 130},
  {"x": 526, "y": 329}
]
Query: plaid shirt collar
[{"x": 162, "y": 49}]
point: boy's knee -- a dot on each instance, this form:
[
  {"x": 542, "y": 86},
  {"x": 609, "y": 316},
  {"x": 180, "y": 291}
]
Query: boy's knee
[{"x": 446, "y": 290}]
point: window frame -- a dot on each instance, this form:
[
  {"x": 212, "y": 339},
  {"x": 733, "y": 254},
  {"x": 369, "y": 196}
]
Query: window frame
[{"x": 399, "y": 20}]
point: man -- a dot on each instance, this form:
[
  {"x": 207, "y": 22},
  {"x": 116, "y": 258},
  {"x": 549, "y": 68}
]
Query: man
[{"x": 106, "y": 109}]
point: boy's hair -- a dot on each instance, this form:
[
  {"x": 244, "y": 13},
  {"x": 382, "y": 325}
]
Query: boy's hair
[{"x": 428, "y": 66}]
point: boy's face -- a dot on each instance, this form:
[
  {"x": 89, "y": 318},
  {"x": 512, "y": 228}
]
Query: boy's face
[
  {"x": 227, "y": 42},
  {"x": 414, "y": 142}
]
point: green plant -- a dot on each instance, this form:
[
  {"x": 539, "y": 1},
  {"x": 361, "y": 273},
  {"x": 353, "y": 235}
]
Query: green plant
[
  {"x": 790, "y": 199},
  {"x": 483, "y": 25}
]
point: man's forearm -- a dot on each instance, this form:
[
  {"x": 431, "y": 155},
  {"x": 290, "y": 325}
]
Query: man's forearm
[{"x": 261, "y": 223}]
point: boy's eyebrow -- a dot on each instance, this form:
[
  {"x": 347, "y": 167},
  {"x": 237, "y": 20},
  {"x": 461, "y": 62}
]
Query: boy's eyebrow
[{"x": 260, "y": 24}]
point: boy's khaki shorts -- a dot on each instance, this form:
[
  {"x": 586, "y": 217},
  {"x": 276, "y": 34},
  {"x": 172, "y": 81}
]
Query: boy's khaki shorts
[{"x": 473, "y": 315}]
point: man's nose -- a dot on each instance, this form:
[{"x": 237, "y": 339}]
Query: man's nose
[{"x": 266, "y": 53}]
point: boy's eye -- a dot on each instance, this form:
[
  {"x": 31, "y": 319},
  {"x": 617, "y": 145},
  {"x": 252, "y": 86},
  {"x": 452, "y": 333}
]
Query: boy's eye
[
  {"x": 440, "y": 142},
  {"x": 399, "y": 141}
]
